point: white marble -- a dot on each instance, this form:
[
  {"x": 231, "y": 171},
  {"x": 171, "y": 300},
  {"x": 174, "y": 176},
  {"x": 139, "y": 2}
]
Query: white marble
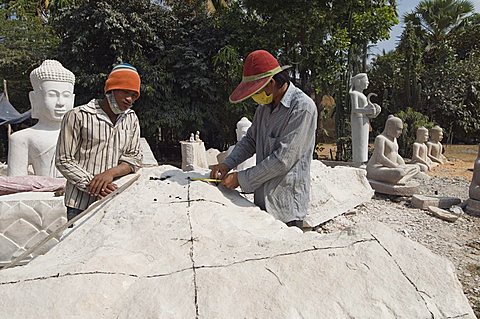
[
  {"x": 386, "y": 165},
  {"x": 435, "y": 148},
  {"x": 194, "y": 155},
  {"x": 25, "y": 219},
  {"x": 242, "y": 127},
  {"x": 51, "y": 98},
  {"x": 186, "y": 249},
  {"x": 362, "y": 111},
  {"x": 148, "y": 158},
  {"x": 420, "y": 151}
]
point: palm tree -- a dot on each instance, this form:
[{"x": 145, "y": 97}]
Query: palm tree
[{"x": 438, "y": 18}]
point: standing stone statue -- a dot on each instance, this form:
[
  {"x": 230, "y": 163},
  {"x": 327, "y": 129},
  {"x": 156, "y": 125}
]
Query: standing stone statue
[
  {"x": 420, "y": 151},
  {"x": 362, "y": 111},
  {"x": 435, "y": 148},
  {"x": 386, "y": 165},
  {"x": 51, "y": 98},
  {"x": 242, "y": 127}
]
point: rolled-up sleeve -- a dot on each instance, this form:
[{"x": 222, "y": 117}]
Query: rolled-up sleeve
[
  {"x": 133, "y": 155},
  {"x": 67, "y": 146},
  {"x": 289, "y": 148}
]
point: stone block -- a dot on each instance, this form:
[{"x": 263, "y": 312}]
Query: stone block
[
  {"x": 148, "y": 157},
  {"x": 335, "y": 191},
  {"x": 407, "y": 189},
  {"x": 422, "y": 201},
  {"x": 443, "y": 214}
]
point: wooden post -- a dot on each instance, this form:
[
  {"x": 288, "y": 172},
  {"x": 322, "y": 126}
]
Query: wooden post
[{"x": 5, "y": 92}]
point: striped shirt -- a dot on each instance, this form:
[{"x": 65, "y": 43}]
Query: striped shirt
[
  {"x": 283, "y": 139},
  {"x": 89, "y": 144}
]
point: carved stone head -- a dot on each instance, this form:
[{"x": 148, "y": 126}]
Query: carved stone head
[
  {"x": 422, "y": 135},
  {"x": 52, "y": 94},
  {"x": 360, "y": 82},
  {"x": 242, "y": 128},
  {"x": 393, "y": 127},
  {"x": 436, "y": 134}
]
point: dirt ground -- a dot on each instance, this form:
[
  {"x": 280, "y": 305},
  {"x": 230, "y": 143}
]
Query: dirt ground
[{"x": 458, "y": 241}]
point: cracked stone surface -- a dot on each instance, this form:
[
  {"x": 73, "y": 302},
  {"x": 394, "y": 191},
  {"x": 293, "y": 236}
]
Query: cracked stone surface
[{"x": 171, "y": 248}]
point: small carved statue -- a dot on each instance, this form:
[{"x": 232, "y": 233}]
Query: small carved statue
[
  {"x": 435, "y": 148},
  {"x": 420, "y": 151},
  {"x": 386, "y": 165}
]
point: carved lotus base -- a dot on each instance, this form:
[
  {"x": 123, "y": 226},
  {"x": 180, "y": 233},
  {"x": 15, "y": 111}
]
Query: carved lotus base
[{"x": 24, "y": 222}]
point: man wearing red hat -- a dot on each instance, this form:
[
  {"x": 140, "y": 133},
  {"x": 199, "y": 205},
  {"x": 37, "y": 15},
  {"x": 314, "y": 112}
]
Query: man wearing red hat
[
  {"x": 100, "y": 141},
  {"x": 282, "y": 136}
]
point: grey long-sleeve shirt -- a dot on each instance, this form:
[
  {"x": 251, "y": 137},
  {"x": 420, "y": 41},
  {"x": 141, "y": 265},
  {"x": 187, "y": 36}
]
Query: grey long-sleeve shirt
[{"x": 283, "y": 139}]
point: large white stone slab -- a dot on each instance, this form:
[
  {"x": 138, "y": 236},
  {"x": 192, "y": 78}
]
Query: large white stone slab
[
  {"x": 148, "y": 157},
  {"x": 335, "y": 191},
  {"x": 170, "y": 248}
]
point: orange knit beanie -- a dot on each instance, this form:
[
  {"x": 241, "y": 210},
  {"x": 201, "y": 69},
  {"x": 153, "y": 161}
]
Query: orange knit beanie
[{"x": 123, "y": 77}]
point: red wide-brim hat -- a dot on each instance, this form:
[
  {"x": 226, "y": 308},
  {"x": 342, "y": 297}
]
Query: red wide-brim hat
[{"x": 259, "y": 68}]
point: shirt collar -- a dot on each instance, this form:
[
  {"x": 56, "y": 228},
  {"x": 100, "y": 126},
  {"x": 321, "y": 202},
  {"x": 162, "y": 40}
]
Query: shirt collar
[{"x": 287, "y": 97}]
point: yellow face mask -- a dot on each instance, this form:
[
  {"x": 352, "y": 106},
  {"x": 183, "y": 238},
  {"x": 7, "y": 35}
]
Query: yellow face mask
[{"x": 262, "y": 98}]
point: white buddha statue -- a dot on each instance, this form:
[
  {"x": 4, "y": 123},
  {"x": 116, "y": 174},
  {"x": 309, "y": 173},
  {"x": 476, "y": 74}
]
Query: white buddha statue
[
  {"x": 386, "y": 165},
  {"x": 242, "y": 127},
  {"x": 362, "y": 111},
  {"x": 51, "y": 98},
  {"x": 420, "y": 151},
  {"x": 435, "y": 148}
]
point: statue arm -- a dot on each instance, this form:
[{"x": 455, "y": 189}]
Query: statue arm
[
  {"x": 354, "y": 98},
  {"x": 17, "y": 155},
  {"x": 132, "y": 155},
  {"x": 429, "y": 154},
  {"x": 298, "y": 139},
  {"x": 416, "y": 157},
  {"x": 67, "y": 146}
]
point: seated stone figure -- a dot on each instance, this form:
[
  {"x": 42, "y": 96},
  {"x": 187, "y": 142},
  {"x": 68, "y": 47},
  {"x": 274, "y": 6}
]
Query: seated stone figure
[
  {"x": 435, "y": 148},
  {"x": 242, "y": 127},
  {"x": 51, "y": 98},
  {"x": 420, "y": 151},
  {"x": 474, "y": 189},
  {"x": 386, "y": 165}
]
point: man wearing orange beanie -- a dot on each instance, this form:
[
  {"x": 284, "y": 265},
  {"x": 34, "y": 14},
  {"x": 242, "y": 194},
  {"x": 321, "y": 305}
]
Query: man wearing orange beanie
[{"x": 100, "y": 141}]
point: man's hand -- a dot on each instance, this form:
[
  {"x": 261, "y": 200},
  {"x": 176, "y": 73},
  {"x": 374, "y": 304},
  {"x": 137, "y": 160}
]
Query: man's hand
[
  {"x": 231, "y": 181},
  {"x": 99, "y": 183},
  {"x": 219, "y": 171},
  {"x": 109, "y": 189}
]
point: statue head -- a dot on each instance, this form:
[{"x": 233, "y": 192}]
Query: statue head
[
  {"x": 422, "y": 134},
  {"x": 393, "y": 127},
  {"x": 242, "y": 128},
  {"x": 52, "y": 94},
  {"x": 436, "y": 133},
  {"x": 359, "y": 82}
]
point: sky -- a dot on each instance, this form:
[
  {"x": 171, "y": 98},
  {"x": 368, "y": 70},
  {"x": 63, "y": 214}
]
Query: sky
[{"x": 404, "y": 6}]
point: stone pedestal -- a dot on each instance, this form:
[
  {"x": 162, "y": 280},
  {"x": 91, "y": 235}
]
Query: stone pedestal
[
  {"x": 25, "y": 219},
  {"x": 193, "y": 155},
  {"x": 407, "y": 189},
  {"x": 473, "y": 207}
]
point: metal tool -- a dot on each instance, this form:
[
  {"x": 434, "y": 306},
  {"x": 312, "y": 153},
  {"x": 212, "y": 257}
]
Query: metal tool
[{"x": 205, "y": 179}]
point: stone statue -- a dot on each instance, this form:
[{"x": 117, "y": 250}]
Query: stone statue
[
  {"x": 192, "y": 138},
  {"x": 51, "y": 98},
  {"x": 362, "y": 111},
  {"x": 386, "y": 165},
  {"x": 197, "y": 137},
  {"x": 473, "y": 202},
  {"x": 242, "y": 127},
  {"x": 474, "y": 189},
  {"x": 420, "y": 151},
  {"x": 435, "y": 148}
]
